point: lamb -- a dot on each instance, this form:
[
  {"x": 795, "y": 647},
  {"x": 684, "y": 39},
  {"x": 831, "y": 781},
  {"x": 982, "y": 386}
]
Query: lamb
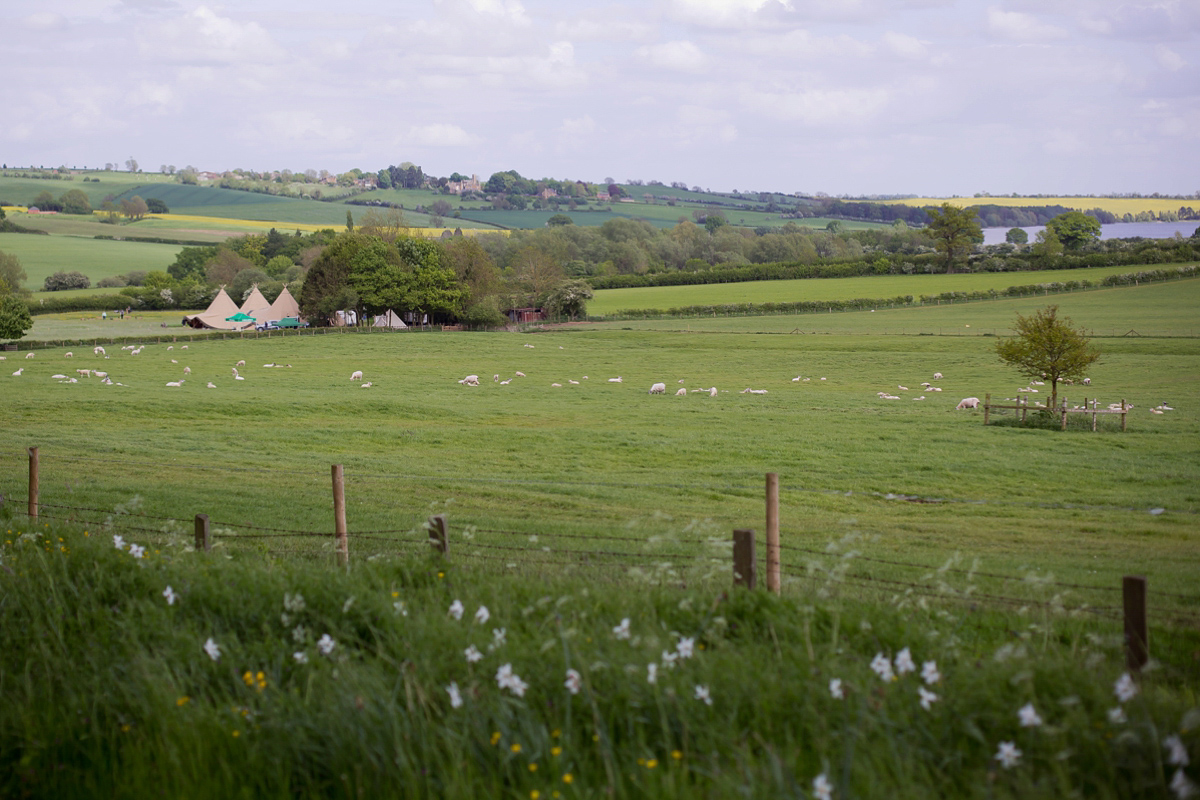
[
  {"x": 184, "y": 347},
  {"x": 937, "y": 376},
  {"x": 470, "y": 380},
  {"x": 796, "y": 379},
  {"x": 496, "y": 378},
  {"x": 615, "y": 380},
  {"x": 68, "y": 354},
  {"x": 173, "y": 361},
  {"x": 241, "y": 363},
  {"x": 572, "y": 382},
  {"x": 1087, "y": 381},
  {"x": 922, "y": 397},
  {"x": 367, "y": 385},
  {"x": 18, "y": 372},
  {"x": 902, "y": 388},
  {"x": 556, "y": 385},
  {"x": 235, "y": 372},
  {"x": 58, "y": 377},
  {"x": 681, "y": 393},
  {"x": 712, "y": 392},
  {"x": 529, "y": 346},
  {"x": 29, "y": 355},
  {"x": 98, "y": 350},
  {"x": 187, "y": 370},
  {"x": 170, "y": 347},
  {"x": 212, "y": 385},
  {"x": 658, "y": 388},
  {"x": 176, "y": 384},
  {"x": 520, "y": 374},
  {"x": 357, "y": 375},
  {"x": 967, "y": 402},
  {"x": 748, "y": 390},
  {"x": 506, "y": 383}
]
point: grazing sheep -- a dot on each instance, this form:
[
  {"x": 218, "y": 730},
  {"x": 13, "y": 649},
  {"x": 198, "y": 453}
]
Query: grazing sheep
[
  {"x": 235, "y": 372},
  {"x": 187, "y": 370},
  {"x": 520, "y": 374},
  {"x": 241, "y": 363},
  {"x": 615, "y": 380},
  {"x": 1087, "y": 381},
  {"x": 98, "y": 350},
  {"x": 658, "y": 388},
  {"x": 937, "y": 376},
  {"x": 967, "y": 402},
  {"x": 184, "y": 347},
  {"x": 681, "y": 393},
  {"x": 99, "y": 374},
  {"x": 68, "y": 354},
  {"x": 470, "y": 380},
  {"x": 29, "y": 355},
  {"x": 84, "y": 372},
  {"x": 712, "y": 392},
  {"x": 170, "y": 347},
  {"x": 173, "y": 361},
  {"x": 357, "y": 375}
]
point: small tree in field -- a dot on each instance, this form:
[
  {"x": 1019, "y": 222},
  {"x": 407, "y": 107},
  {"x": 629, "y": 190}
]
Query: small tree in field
[
  {"x": 1046, "y": 346},
  {"x": 14, "y": 317}
]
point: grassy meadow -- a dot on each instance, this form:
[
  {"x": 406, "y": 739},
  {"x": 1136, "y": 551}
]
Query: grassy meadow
[
  {"x": 42, "y": 256},
  {"x": 909, "y": 529}
]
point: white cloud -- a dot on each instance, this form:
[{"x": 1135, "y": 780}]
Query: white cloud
[
  {"x": 580, "y": 126},
  {"x": 204, "y": 37},
  {"x": 510, "y": 10},
  {"x": 820, "y": 107},
  {"x": 438, "y": 135},
  {"x": 677, "y": 56},
  {"x": 904, "y": 45},
  {"x": 44, "y": 21},
  {"x": 1021, "y": 27},
  {"x": 1169, "y": 59},
  {"x": 724, "y": 12}
]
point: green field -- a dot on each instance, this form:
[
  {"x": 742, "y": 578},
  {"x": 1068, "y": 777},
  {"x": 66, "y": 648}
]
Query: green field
[
  {"x": 22, "y": 191},
  {"x": 42, "y": 256}
]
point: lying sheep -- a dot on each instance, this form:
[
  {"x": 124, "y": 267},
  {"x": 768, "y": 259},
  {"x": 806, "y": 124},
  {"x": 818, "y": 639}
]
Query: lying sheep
[
  {"x": 967, "y": 402},
  {"x": 658, "y": 388},
  {"x": 937, "y": 376}
]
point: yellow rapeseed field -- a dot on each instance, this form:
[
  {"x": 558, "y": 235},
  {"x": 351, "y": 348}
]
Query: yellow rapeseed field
[{"x": 1115, "y": 205}]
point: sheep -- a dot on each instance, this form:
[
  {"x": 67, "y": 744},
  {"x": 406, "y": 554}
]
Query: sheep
[
  {"x": 367, "y": 385},
  {"x": 238, "y": 378},
  {"x": 170, "y": 347},
  {"x": 922, "y": 397},
  {"x": 176, "y": 384},
  {"x": 1156, "y": 411},
  {"x": 356, "y": 375},
  {"x": 187, "y": 370},
  {"x": 796, "y": 379},
  {"x": 572, "y": 382},
  {"x": 3, "y": 358},
  {"x": 1087, "y": 381},
  {"x": 902, "y": 388},
  {"x": 235, "y": 372},
  {"x": 98, "y": 350},
  {"x": 520, "y": 374},
  {"x": 29, "y": 355},
  {"x": 272, "y": 364},
  {"x": 18, "y": 372},
  {"x": 529, "y": 346},
  {"x": 212, "y": 385},
  {"x": 712, "y": 392},
  {"x": 681, "y": 393},
  {"x": 615, "y": 380},
  {"x": 585, "y": 377},
  {"x": 184, "y": 347},
  {"x": 748, "y": 390},
  {"x": 496, "y": 378},
  {"x": 84, "y": 372},
  {"x": 68, "y": 354},
  {"x": 470, "y": 380},
  {"x": 241, "y": 363},
  {"x": 58, "y": 377},
  {"x": 173, "y": 361},
  {"x": 658, "y": 388},
  {"x": 934, "y": 389},
  {"x": 556, "y": 385},
  {"x": 967, "y": 402},
  {"x": 937, "y": 376},
  {"x": 506, "y": 383}
]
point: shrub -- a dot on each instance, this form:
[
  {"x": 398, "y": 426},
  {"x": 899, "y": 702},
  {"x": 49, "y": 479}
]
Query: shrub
[
  {"x": 114, "y": 282},
  {"x": 66, "y": 280}
]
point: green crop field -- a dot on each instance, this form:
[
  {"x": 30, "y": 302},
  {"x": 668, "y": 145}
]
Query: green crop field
[
  {"x": 908, "y": 528},
  {"x": 611, "y": 301},
  {"x": 22, "y": 191},
  {"x": 42, "y": 256}
]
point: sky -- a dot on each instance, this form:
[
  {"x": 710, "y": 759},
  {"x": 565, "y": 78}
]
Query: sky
[{"x": 845, "y": 97}]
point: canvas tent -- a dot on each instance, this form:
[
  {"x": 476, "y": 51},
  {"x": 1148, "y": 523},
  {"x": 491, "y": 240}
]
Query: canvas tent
[
  {"x": 389, "y": 320},
  {"x": 284, "y": 306},
  {"x": 217, "y": 315},
  {"x": 256, "y": 304}
]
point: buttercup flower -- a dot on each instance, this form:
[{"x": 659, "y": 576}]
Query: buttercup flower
[
  {"x": 701, "y": 693},
  {"x": 1029, "y": 716},
  {"x": 1008, "y": 755},
  {"x": 472, "y": 653},
  {"x": 326, "y": 644},
  {"x": 904, "y": 662},
  {"x": 456, "y": 609},
  {"x": 213, "y": 649},
  {"x": 929, "y": 673},
  {"x": 482, "y": 615},
  {"x": 574, "y": 681},
  {"x": 622, "y": 630},
  {"x": 1125, "y": 688},
  {"x": 822, "y": 788},
  {"x": 835, "y": 689},
  {"x": 169, "y": 593},
  {"x": 882, "y": 667},
  {"x": 928, "y": 698},
  {"x": 455, "y": 697}
]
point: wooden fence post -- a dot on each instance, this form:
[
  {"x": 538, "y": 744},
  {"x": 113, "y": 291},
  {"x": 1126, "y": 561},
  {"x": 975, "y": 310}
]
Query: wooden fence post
[
  {"x": 987, "y": 407},
  {"x": 339, "y": 516},
  {"x": 773, "y": 532},
  {"x": 1124, "y": 414},
  {"x": 203, "y": 538},
  {"x": 1137, "y": 642},
  {"x": 33, "y": 482},
  {"x": 437, "y": 533},
  {"x": 1064, "y": 413},
  {"x": 745, "y": 561}
]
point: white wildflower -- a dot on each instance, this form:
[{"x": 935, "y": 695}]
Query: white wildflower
[
  {"x": 1125, "y": 688},
  {"x": 326, "y": 644},
  {"x": 652, "y": 673},
  {"x": 904, "y": 662},
  {"x": 300, "y": 633},
  {"x": 482, "y": 615},
  {"x": 118, "y": 541},
  {"x": 472, "y": 653},
  {"x": 456, "y": 609},
  {"x": 137, "y": 551},
  {"x": 1008, "y": 755},
  {"x": 929, "y": 673},
  {"x": 300, "y": 656},
  {"x": 1179, "y": 754},
  {"x": 455, "y": 695},
  {"x": 1117, "y": 716},
  {"x": 498, "y": 638},
  {"x": 882, "y": 667},
  {"x": 1029, "y": 716},
  {"x": 169, "y": 593},
  {"x": 686, "y": 647},
  {"x": 835, "y": 689},
  {"x": 822, "y": 788},
  {"x": 517, "y": 686},
  {"x": 622, "y": 630},
  {"x": 668, "y": 659},
  {"x": 213, "y": 649},
  {"x": 928, "y": 698},
  {"x": 293, "y": 602},
  {"x": 1182, "y": 786},
  {"x": 401, "y": 608},
  {"x": 504, "y": 675},
  {"x": 347, "y": 605},
  {"x": 701, "y": 693},
  {"x": 574, "y": 681}
]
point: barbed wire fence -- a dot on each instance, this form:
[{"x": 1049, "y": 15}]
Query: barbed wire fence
[{"x": 623, "y": 555}]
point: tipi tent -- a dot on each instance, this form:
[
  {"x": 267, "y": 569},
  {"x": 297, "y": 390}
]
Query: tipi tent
[
  {"x": 284, "y": 306},
  {"x": 389, "y": 320},
  {"x": 255, "y": 304},
  {"x": 216, "y": 315}
]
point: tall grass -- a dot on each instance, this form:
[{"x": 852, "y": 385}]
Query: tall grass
[{"x": 106, "y": 688}]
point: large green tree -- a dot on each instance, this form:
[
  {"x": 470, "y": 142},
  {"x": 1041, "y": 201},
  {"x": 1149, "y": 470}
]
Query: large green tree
[
  {"x": 74, "y": 201},
  {"x": 1075, "y": 229},
  {"x": 1048, "y": 347},
  {"x": 12, "y": 275},
  {"x": 955, "y": 231},
  {"x": 14, "y": 317}
]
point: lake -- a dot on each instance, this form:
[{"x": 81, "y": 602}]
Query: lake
[{"x": 1118, "y": 230}]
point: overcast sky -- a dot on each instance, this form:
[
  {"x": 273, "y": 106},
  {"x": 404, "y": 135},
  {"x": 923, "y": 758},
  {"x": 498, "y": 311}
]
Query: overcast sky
[{"x": 839, "y": 96}]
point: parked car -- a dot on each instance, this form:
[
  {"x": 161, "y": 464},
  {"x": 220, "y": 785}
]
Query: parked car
[{"x": 269, "y": 325}]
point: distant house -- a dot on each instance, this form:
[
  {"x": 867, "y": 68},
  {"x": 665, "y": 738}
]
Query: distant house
[
  {"x": 520, "y": 315},
  {"x": 458, "y": 187},
  {"x": 547, "y": 193},
  {"x": 603, "y": 196}
]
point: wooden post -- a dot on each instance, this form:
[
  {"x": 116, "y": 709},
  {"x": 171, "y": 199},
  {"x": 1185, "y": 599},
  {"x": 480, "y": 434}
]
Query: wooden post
[
  {"x": 1137, "y": 642},
  {"x": 203, "y": 539},
  {"x": 773, "y": 532},
  {"x": 1093, "y": 413},
  {"x": 1064, "y": 413},
  {"x": 339, "y": 516},
  {"x": 1124, "y": 414},
  {"x": 987, "y": 407},
  {"x": 437, "y": 533},
  {"x": 745, "y": 562},
  {"x": 33, "y": 483},
  {"x": 1024, "y": 407}
]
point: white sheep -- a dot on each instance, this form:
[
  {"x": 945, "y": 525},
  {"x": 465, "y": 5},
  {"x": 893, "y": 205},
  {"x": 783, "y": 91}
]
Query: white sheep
[
  {"x": 681, "y": 393},
  {"x": 572, "y": 382},
  {"x": 184, "y": 347},
  {"x": 235, "y": 372},
  {"x": 356, "y": 375},
  {"x": 367, "y": 385},
  {"x": 615, "y": 380},
  {"x": 68, "y": 354},
  {"x": 556, "y": 385},
  {"x": 212, "y": 385},
  {"x": 176, "y": 384},
  {"x": 470, "y": 380},
  {"x": 496, "y": 378},
  {"x": 937, "y": 376},
  {"x": 58, "y": 377},
  {"x": 241, "y": 363},
  {"x": 187, "y": 370},
  {"x": 1087, "y": 381},
  {"x": 529, "y": 346},
  {"x": 18, "y": 372},
  {"x": 29, "y": 355},
  {"x": 100, "y": 374},
  {"x": 170, "y": 347},
  {"x": 173, "y": 361},
  {"x": 520, "y": 374},
  {"x": 967, "y": 402},
  {"x": 506, "y": 383},
  {"x": 902, "y": 388},
  {"x": 922, "y": 397},
  {"x": 712, "y": 392},
  {"x": 658, "y": 388},
  {"x": 98, "y": 350}
]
